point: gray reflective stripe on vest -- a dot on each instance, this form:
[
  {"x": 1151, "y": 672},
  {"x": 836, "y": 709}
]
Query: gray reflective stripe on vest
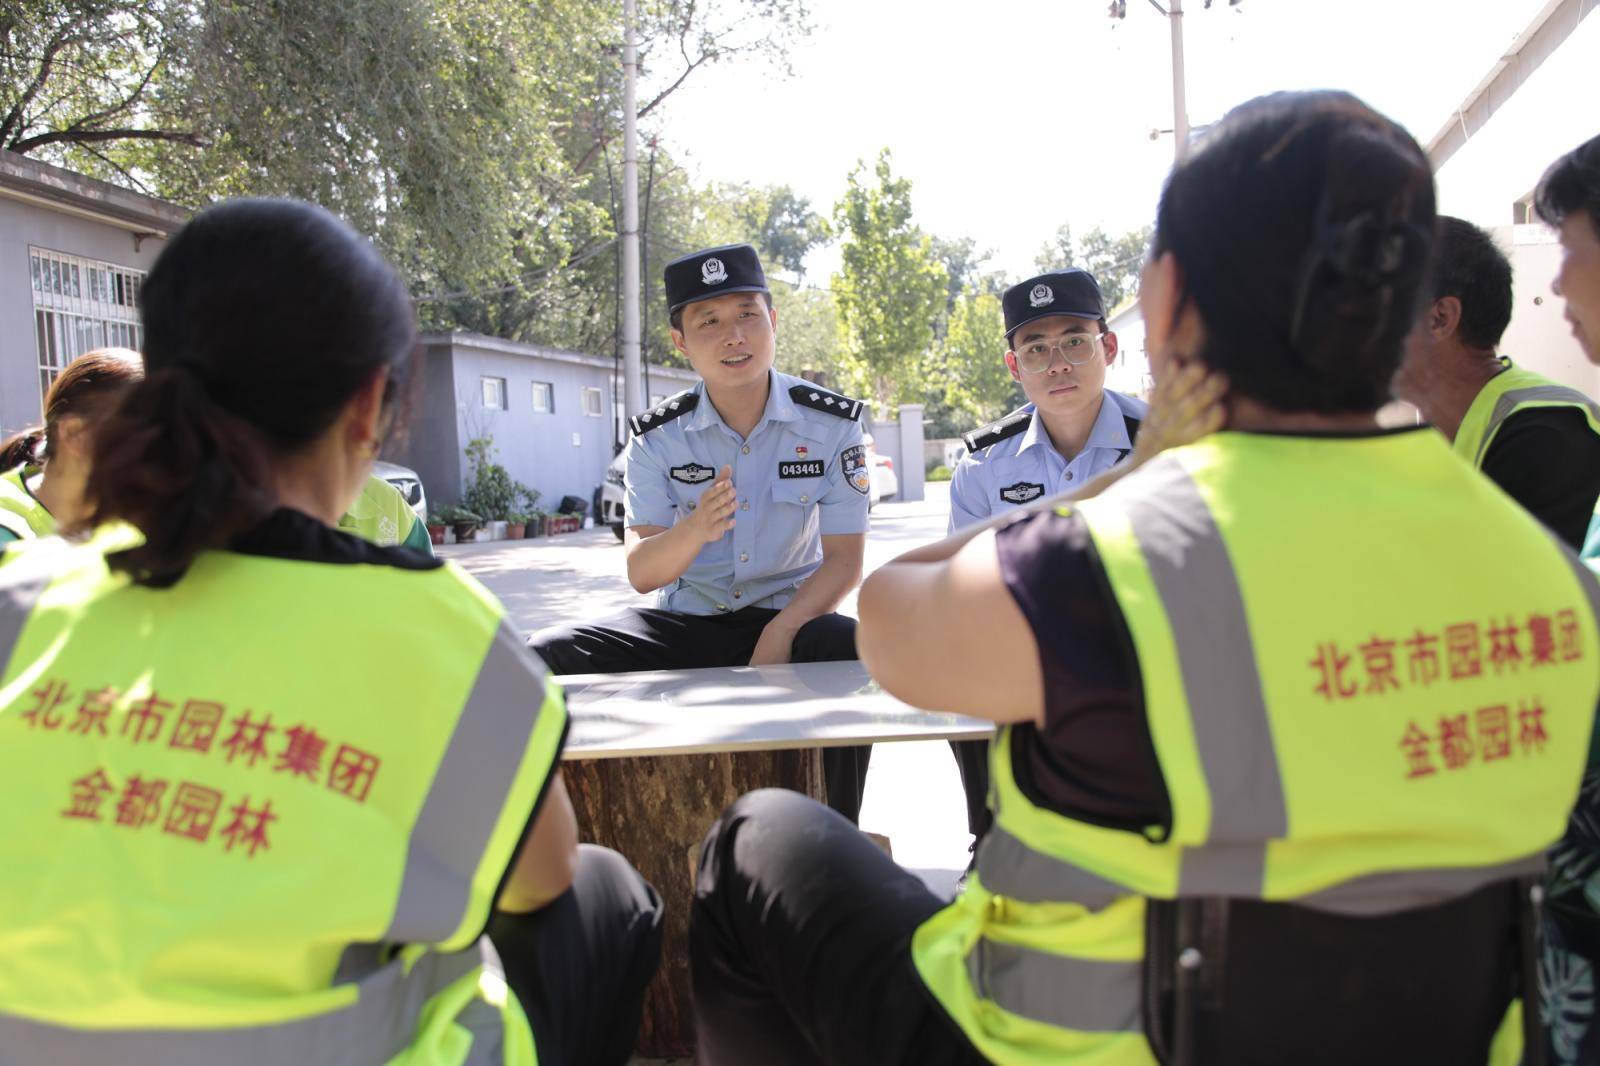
[
  {"x": 22, "y": 582},
  {"x": 1194, "y": 576},
  {"x": 379, "y": 1025},
  {"x": 1088, "y": 995},
  {"x": 1008, "y": 867},
  {"x": 469, "y": 790},
  {"x": 1507, "y": 404},
  {"x": 1399, "y": 890}
]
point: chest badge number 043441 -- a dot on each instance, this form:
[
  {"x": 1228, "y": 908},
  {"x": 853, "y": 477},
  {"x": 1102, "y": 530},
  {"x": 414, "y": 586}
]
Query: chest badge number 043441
[
  {"x": 1022, "y": 492},
  {"x": 692, "y": 473},
  {"x": 854, "y": 463}
]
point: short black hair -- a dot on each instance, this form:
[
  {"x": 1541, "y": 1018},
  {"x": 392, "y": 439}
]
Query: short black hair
[
  {"x": 1571, "y": 184},
  {"x": 1468, "y": 265},
  {"x": 676, "y": 318},
  {"x": 1302, "y": 225}
]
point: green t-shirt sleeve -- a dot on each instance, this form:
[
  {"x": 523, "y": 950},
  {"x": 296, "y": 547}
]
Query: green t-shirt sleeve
[{"x": 417, "y": 538}]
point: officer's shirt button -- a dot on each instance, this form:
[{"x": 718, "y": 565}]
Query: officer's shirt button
[
  {"x": 691, "y": 505},
  {"x": 744, "y": 557},
  {"x": 805, "y": 499},
  {"x": 745, "y": 449},
  {"x": 744, "y": 505},
  {"x": 738, "y": 593},
  {"x": 722, "y": 607},
  {"x": 1069, "y": 475}
]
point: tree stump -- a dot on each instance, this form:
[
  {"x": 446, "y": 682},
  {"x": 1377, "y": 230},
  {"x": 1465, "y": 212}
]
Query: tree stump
[{"x": 656, "y": 811}]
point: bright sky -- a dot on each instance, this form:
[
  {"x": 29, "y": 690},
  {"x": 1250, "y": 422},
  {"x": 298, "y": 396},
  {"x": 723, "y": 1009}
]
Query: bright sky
[{"x": 1013, "y": 116}]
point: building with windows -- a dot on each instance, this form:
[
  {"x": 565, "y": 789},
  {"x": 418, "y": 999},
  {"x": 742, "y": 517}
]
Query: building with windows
[
  {"x": 555, "y": 416},
  {"x": 73, "y": 252}
]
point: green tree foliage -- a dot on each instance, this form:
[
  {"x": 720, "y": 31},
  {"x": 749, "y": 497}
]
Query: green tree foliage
[
  {"x": 890, "y": 289},
  {"x": 1114, "y": 261},
  {"x": 809, "y": 336},
  {"x": 967, "y": 371}
]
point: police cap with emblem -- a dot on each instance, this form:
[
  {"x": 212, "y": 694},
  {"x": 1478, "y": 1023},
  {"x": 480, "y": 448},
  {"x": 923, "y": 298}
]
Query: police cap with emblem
[
  {"x": 1065, "y": 292},
  {"x": 713, "y": 272}
]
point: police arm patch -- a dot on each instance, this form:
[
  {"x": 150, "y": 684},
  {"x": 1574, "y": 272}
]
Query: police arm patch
[{"x": 854, "y": 461}]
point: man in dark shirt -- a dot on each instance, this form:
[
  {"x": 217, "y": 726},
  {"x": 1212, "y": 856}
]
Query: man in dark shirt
[{"x": 1547, "y": 458}]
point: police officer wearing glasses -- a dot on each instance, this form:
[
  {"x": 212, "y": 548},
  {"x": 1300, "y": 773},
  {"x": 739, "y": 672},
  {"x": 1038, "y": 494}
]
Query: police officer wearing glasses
[{"x": 1071, "y": 429}]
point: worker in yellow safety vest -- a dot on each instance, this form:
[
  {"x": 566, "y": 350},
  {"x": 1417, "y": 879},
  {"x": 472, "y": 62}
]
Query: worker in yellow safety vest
[
  {"x": 1317, "y": 669},
  {"x": 268, "y": 785},
  {"x": 47, "y": 466},
  {"x": 1537, "y": 439}
]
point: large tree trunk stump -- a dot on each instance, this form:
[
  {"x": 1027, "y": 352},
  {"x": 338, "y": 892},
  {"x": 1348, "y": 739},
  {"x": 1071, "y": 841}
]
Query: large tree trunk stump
[{"x": 656, "y": 811}]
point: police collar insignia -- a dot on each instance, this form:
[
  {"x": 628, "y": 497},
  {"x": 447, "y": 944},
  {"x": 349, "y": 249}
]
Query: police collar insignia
[
  {"x": 854, "y": 462},
  {"x": 1041, "y": 295},
  {"x": 712, "y": 272},
  {"x": 692, "y": 473},
  {"x": 1022, "y": 492}
]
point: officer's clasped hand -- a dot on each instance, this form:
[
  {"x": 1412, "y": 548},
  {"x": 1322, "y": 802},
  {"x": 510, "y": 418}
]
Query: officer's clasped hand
[{"x": 713, "y": 514}]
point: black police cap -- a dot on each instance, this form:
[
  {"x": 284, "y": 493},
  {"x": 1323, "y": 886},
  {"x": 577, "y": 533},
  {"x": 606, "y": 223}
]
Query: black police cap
[
  {"x": 1065, "y": 292},
  {"x": 713, "y": 272}
]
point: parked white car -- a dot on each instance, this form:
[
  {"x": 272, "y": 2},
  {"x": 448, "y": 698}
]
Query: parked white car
[
  {"x": 884, "y": 482},
  {"x": 409, "y": 485},
  {"x": 609, "y": 496}
]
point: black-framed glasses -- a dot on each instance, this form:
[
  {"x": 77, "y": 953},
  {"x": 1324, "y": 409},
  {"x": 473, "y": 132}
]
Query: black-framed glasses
[{"x": 1076, "y": 348}]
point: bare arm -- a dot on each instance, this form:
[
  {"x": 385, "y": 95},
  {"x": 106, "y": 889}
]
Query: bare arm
[
  {"x": 829, "y": 584},
  {"x": 915, "y": 616},
  {"x": 658, "y": 555},
  {"x": 548, "y": 858}
]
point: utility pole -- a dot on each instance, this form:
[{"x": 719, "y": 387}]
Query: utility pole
[
  {"x": 1180, "y": 108},
  {"x": 633, "y": 386}
]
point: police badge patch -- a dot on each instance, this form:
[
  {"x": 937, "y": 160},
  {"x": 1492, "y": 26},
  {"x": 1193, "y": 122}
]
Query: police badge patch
[
  {"x": 1022, "y": 492},
  {"x": 854, "y": 460},
  {"x": 692, "y": 473}
]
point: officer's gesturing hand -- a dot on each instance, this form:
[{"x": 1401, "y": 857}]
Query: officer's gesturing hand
[{"x": 713, "y": 513}]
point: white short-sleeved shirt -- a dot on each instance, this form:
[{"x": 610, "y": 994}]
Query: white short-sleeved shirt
[
  {"x": 801, "y": 475},
  {"x": 1012, "y": 462}
]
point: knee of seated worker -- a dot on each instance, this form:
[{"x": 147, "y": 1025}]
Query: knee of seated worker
[
  {"x": 556, "y": 649},
  {"x": 769, "y": 817},
  {"x": 826, "y": 639},
  {"x": 607, "y": 875}
]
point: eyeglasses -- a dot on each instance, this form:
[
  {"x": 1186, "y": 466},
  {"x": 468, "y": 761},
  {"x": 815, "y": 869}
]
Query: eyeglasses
[{"x": 1076, "y": 348}]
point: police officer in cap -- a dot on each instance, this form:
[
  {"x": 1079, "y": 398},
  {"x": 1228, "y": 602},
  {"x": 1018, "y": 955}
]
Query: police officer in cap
[
  {"x": 1071, "y": 428},
  {"x": 746, "y": 507}
]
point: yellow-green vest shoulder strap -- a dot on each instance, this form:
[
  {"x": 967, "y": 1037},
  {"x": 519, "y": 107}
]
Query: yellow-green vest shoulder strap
[
  {"x": 20, "y": 511},
  {"x": 380, "y": 514},
  {"x": 1514, "y": 389}
]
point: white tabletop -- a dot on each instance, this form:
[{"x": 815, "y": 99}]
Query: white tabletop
[{"x": 744, "y": 708}]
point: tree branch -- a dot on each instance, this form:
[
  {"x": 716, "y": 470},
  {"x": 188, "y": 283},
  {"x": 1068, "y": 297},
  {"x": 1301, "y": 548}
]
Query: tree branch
[
  {"x": 13, "y": 123},
  {"x": 70, "y": 136}
]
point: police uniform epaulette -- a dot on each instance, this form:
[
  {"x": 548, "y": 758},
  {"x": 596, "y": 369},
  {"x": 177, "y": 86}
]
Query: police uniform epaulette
[
  {"x": 822, "y": 400},
  {"x": 670, "y": 408},
  {"x": 995, "y": 432}
]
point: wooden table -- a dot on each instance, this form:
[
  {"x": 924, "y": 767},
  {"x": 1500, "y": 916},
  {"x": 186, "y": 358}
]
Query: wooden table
[{"x": 654, "y": 757}]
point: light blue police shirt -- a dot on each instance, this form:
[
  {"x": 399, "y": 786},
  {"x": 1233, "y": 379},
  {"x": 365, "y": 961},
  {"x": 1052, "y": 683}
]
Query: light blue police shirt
[
  {"x": 801, "y": 475},
  {"x": 1022, "y": 465}
]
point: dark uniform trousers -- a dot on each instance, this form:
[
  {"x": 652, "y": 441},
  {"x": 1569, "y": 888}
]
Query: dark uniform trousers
[
  {"x": 579, "y": 966},
  {"x": 800, "y": 946},
  {"x": 647, "y": 638}
]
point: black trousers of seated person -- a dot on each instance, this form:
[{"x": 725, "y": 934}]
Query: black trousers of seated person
[
  {"x": 647, "y": 638},
  {"x": 579, "y": 966},
  {"x": 800, "y": 946},
  {"x": 972, "y": 760}
]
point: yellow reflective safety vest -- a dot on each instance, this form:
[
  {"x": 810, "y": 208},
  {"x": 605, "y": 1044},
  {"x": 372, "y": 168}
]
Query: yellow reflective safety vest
[
  {"x": 20, "y": 511},
  {"x": 380, "y": 515},
  {"x": 1339, "y": 683},
  {"x": 1513, "y": 389},
  {"x": 235, "y": 835}
]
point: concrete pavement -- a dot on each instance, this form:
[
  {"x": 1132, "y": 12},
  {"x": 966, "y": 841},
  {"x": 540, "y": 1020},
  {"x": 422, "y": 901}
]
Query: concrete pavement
[{"x": 913, "y": 790}]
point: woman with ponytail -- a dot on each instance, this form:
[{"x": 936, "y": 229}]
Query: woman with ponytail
[
  {"x": 285, "y": 818},
  {"x": 47, "y": 467}
]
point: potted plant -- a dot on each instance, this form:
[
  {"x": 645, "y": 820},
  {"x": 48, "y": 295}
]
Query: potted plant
[
  {"x": 536, "y": 523},
  {"x": 516, "y": 525},
  {"x": 436, "y": 527},
  {"x": 465, "y": 522}
]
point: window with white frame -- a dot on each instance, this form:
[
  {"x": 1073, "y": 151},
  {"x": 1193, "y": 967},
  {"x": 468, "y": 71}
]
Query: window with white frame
[
  {"x": 79, "y": 305},
  {"x": 593, "y": 402},
  {"x": 494, "y": 393},
  {"x": 544, "y": 398}
]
